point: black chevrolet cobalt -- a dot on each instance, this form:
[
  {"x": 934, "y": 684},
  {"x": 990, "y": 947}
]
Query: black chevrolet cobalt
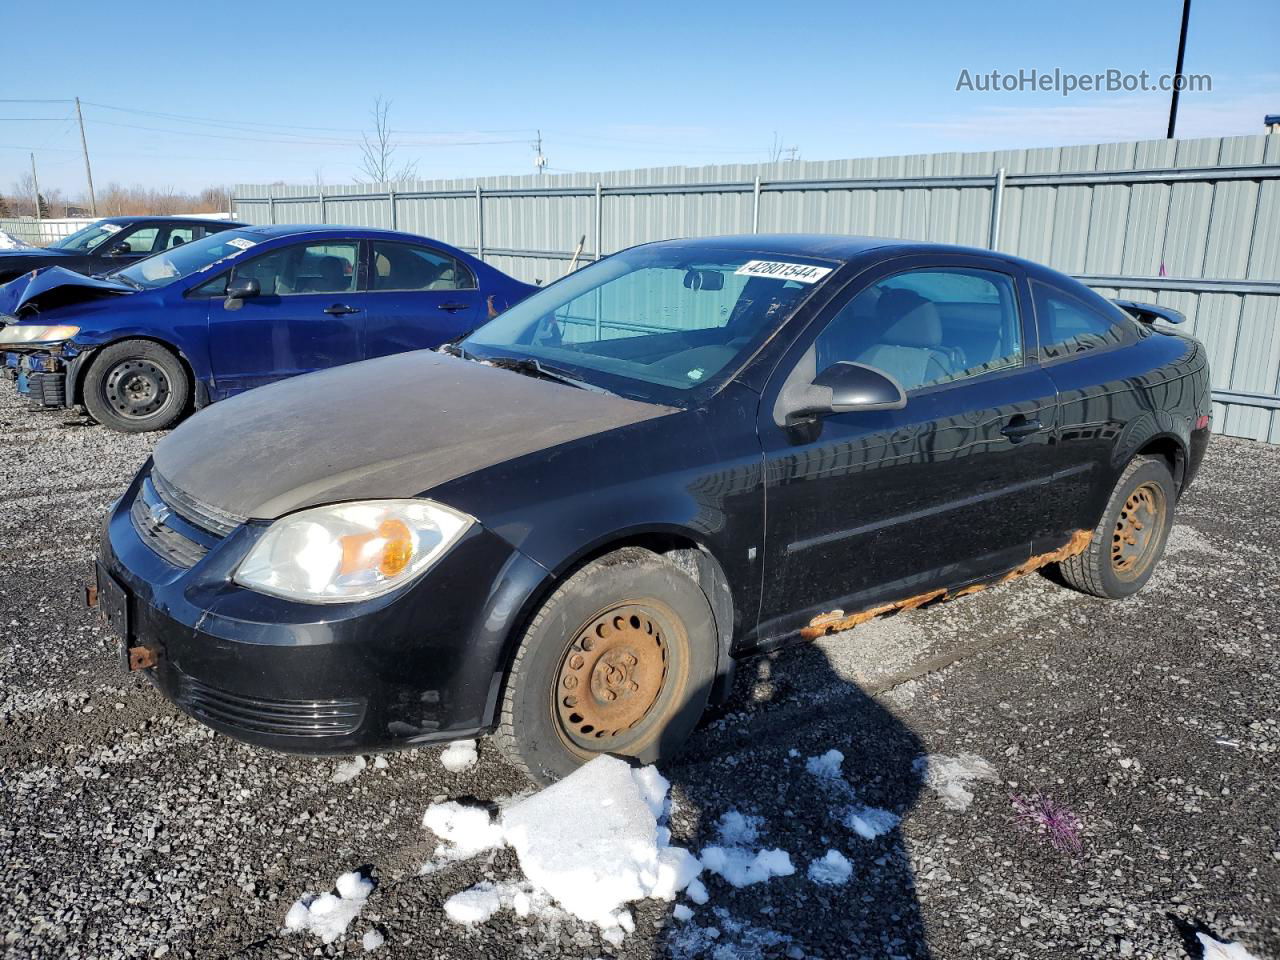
[{"x": 565, "y": 528}]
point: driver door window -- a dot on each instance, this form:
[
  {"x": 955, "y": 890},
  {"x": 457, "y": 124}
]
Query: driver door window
[
  {"x": 139, "y": 243},
  {"x": 304, "y": 268},
  {"x": 929, "y": 327}
]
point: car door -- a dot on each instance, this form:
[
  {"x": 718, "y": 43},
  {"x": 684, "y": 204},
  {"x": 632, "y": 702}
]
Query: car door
[
  {"x": 419, "y": 297},
  {"x": 872, "y": 507},
  {"x": 308, "y": 315}
]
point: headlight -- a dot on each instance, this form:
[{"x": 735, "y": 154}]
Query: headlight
[
  {"x": 350, "y": 551},
  {"x": 21, "y": 334}
]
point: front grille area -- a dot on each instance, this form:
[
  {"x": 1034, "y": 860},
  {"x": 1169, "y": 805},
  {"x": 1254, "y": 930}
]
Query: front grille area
[
  {"x": 215, "y": 521},
  {"x": 290, "y": 718},
  {"x": 163, "y": 539}
]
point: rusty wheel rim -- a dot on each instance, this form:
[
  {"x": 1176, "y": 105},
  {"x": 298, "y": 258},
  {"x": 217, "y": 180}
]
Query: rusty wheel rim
[
  {"x": 1137, "y": 531},
  {"x": 612, "y": 676}
]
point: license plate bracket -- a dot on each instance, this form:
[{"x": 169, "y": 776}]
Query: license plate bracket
[{"x": 113, "y": 601}]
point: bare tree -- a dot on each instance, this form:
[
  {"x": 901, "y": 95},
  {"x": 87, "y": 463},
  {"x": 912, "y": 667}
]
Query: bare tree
[{"x": 377, "y": 149}]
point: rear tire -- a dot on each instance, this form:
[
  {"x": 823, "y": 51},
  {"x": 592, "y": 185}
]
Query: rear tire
[
  {"x": 135, "y": 386},
  {"x": 619, "y": 660},
  {"x": 1130, "y": 539}
]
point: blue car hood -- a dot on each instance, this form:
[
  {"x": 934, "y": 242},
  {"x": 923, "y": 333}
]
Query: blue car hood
[{"x": 53, "y": 287}]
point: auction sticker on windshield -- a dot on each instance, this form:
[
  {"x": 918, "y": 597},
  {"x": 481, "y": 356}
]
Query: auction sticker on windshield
[
  {"x": 799, "y": 272},
  {"x": 240, "y": 243},
  {"x": 112, "y": 227}
]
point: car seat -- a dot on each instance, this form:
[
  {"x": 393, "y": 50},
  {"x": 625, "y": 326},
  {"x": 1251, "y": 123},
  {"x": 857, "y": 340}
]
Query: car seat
[{"x": 910, "y": 342}]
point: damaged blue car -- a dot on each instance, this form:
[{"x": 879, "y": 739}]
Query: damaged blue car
[{"x": 141, "y": 347}]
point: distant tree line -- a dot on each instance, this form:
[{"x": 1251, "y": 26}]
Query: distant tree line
[{"x": 114, "y": 200}]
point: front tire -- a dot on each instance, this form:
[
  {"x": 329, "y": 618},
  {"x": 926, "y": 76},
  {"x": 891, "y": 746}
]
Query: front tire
[
  {"x": 135, "y": 386},
  {"x": 619, "y": 660},
  {"x": 1129, "y": 541}
]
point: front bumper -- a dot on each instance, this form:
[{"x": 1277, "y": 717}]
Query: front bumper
[
  {"x": 41, "y": 377},
  {"x": 420, "y": 665}
]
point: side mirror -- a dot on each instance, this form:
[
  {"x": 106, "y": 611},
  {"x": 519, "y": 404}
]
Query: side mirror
[
  {"x": 845, "y": 387},
  {"x": 242, "y": 288},
  {"x": 118, "y": 249}
]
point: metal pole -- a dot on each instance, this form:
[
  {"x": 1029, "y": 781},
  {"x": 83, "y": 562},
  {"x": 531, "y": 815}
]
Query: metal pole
[
  {"x": 35, "y": 185},
  {"x": 1177, "y": 71},
  {"x": 599, "y": 222},
  {"x": 755, "y": 207},
  {"x": 271, "y": 207},
  {"x": 88, "y": 171},
  {"x": 479, "y": 222},
  {"x": 324, "y": 213},
  {"x": 997, "y": 200},
  {"x": 391, "y": 201}
]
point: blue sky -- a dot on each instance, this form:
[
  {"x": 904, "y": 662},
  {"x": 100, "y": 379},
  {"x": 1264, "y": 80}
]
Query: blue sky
[{"x": 284, "y": 88}]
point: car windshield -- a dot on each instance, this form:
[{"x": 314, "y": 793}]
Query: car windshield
[
  {"x": 653, "y": 323},
  {"x": 82, "y": 241},
  {"x": 186, "y": 259}
]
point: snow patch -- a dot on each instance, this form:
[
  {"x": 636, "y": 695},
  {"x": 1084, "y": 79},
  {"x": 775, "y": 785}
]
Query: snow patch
[
  {"x": 825, "y": 766},
  {"x": 592, "y": 843},
  {"x": 328, "y": 915},
  {"x": 372, "y": 940},
  {"x": 682, "y": 913},
  {"x": 742, "y": 868},
  {"x": 467, "y": 830},
  {"x": 736, "y": 829},
  {"x": 832, "y": 870},
  {"x": 870, "y": 822},
  {"x": 950, "y": 777},
  {"x": 348, "y": 770},
  {"x": 1215, "y": 949},
  {"x": 459, "y": 755},
  {"x": 729, "y": 939}
]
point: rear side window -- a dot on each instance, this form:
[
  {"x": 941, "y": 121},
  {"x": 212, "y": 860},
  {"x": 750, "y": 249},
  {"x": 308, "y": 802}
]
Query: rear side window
[
  {"x": 403, "y": 266},
  {"x": 1069, "y": 325},
  {"x": 142, "y": 240},
  {"x": 929, "y": 327}
]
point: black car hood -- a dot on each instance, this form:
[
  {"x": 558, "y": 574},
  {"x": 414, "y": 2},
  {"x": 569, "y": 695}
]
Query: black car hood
[
  {"x": 387, "y": 428},
  {"x": 55, "y": 287},
  {"x": 42, "y": 253}
]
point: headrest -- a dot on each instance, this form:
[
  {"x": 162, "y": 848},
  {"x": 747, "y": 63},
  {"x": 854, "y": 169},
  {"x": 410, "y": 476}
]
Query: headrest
[{"x": 907, "y": 319}]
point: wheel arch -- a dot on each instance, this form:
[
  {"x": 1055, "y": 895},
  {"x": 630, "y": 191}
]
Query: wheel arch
[
  {"x": 1172, "y": 451},
  {"x": 678, "y": 545},
  {"x": 84, "y": 360}
]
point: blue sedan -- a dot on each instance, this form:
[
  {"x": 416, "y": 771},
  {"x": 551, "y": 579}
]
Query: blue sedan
[{"x": 209, "y": 319}]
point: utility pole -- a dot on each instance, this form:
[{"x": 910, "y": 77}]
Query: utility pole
[
  {"x": 539, "y": 161},
  {"x": 1177, "y": 71},
  {"x": 88, "y": 172},
  {"x": 35, "y": 184}
]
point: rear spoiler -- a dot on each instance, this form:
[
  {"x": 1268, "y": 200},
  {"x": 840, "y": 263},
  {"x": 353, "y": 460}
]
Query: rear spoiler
[{"x": 1149, "y": 312}]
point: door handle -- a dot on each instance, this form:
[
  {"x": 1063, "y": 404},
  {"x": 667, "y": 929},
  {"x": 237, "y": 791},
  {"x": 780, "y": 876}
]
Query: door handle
[
  {"x": 453, "y": 307},
  {"x": 340, "y": 310},
  {"x": 1019, "y": 428}
]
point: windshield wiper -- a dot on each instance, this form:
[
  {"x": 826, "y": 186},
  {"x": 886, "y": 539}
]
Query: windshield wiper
[{"x": 531, "y": 366}]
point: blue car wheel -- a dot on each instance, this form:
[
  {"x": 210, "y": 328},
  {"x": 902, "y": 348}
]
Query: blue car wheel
[{"x": 135, "y": 386}]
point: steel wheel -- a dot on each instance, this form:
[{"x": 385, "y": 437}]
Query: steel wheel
[
  {"x": 612, "y": 676},
  {"x": 136, "y": 388},
  {"x": 1137, "y": 531}
]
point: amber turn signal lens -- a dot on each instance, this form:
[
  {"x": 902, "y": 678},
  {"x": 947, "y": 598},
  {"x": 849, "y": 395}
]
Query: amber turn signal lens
[{"x": 389, "y": 549}]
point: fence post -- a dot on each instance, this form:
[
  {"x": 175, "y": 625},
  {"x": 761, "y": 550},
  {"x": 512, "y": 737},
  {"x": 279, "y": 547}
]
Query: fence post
[
  {"x": 271, "y": 207},
  {"x": 599, "y": 220},
  {"x": 324, "y": 213},
  {"x": 755, "y": 208},
  {"x": 997, "y": 200},
  {"x": 479, "y": 222},
  {"x": 391, "y": 202}
]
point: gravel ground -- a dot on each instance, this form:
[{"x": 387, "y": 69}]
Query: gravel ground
[{"x": 1146, "y": 730}]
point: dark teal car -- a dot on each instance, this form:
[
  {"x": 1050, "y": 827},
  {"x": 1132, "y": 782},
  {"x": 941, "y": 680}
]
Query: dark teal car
[{"x": 140, "y": 347}]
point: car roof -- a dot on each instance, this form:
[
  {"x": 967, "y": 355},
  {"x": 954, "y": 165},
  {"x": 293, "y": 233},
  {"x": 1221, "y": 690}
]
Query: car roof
[
  {"x": 176, "y": 218},
  {"x": 329, "y": 229},
  {"x": 828, "y": 246}
]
